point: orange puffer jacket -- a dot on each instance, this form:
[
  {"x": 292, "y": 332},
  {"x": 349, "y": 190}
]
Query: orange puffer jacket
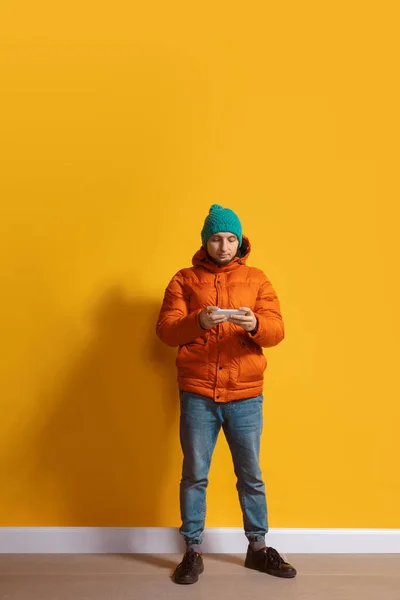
[{"x": 224, "y": 363}]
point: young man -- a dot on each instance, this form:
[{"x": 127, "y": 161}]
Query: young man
[{"x": 220, "y": 373}]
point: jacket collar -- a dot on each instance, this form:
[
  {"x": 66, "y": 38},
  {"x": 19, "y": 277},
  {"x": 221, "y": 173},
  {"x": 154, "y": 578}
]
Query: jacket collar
[{"x": 203, "y": 259}]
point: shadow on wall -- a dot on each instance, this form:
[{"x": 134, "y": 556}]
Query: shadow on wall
[{"x": 104, "y": 449}]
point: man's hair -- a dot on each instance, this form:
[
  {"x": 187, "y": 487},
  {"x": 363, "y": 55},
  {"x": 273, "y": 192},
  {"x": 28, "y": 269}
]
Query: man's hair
[{"x": 242, "y": 250}]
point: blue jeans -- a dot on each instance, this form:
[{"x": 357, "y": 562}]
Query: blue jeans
[{"x": 200, "y": 423}]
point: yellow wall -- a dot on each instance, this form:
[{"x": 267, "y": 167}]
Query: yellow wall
[{"x": 121, "y": 123}]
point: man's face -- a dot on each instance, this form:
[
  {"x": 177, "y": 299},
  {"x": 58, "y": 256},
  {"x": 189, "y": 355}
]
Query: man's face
[{"x": 222, "y": 247}]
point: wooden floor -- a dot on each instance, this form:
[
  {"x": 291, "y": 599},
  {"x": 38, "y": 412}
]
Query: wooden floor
[{"x": 142, "y": 577}]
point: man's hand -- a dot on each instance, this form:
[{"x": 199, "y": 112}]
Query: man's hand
[
  {"x": 247, "y": 321},
  {"x": 208, "y": 320}
]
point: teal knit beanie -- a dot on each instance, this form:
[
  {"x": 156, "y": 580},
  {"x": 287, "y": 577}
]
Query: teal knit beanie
[{"x": 221, "y": 219}]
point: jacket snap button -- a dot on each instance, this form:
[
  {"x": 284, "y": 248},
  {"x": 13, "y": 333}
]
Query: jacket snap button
[
  {"x": 220, "y": 368},
  {"x": 217, "y": 397},
  {"x": 220, "y": 337}
]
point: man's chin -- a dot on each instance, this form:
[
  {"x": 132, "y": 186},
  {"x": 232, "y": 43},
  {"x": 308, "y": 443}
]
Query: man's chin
[{"x": 223, "y": 261}]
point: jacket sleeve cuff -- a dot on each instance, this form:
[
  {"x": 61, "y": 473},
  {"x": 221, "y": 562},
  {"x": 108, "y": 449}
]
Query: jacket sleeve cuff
[
  {"x": 253, "y": 333},
  {"x": 270, "y": 332},
  {"x": 190, "y": 328}
]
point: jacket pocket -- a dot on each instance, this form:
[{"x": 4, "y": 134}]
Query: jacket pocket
[
  {"x": 192, "y": 359},
  {"x": 252, "y": 362}
]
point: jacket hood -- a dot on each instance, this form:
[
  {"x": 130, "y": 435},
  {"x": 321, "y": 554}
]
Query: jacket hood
[{"x": 203, "y": 259}]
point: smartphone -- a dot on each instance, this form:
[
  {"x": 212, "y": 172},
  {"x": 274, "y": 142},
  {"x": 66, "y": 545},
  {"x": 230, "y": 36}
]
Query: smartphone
[{"x": 228, "y": 312}]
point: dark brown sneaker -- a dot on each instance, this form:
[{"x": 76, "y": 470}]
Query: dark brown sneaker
[
  {"x": 268, "y": 560},
  {"x": 189, "y": 569}
]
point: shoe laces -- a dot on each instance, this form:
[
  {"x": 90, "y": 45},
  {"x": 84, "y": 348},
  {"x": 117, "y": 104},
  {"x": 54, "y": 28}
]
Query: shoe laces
[
  {"x": 190, "y": 558},
  {"x": 274, "y": 557}
]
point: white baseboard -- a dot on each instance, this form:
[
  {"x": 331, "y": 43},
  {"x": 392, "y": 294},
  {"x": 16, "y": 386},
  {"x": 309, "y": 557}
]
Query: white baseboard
[{"x": 161, "y": 540}]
